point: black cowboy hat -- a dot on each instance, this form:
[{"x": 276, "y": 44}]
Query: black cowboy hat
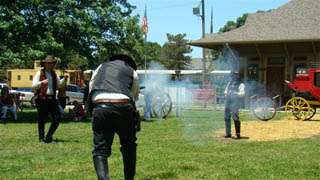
[
  {"x": 126, "y": 58},
  {"x": 48, "y": 59}
]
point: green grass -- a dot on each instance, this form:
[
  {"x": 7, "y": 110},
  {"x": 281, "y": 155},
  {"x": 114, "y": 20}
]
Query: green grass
[{"x": 175, "y": 148}]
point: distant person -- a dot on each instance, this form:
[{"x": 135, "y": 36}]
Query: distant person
[
  {"x": 62, "y": 96},
  {"x": 78, "y": 111},
  {"x": 7, "y": 102},
  {"x": 234, "y": 92},
  {"x": 87, "y": 76},
  {"x": 114, "y": 88},
  {"x": 46, "y": 83},
  {"x": 148, "y": 104}
]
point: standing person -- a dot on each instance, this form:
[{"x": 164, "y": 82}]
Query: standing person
[
  {"x": 8, "y": 104},
  {"x": 148, "y": 104},
  {"x": 46, "y": 83},
  {"x": 62, "y": 96},
  {"x": 233, "y": 92},
  {"x": 87, "y": 76},
  {"x": 78, "y": 111},
  {"x": 113, "y": 89}
]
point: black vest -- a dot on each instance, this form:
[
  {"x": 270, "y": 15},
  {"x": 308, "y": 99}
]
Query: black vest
[
  {"x": 114, "y": 77},
  {"x": 233, "y": 88}
]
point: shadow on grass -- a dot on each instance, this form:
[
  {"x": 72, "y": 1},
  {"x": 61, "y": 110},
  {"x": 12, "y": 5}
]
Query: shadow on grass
[
  {"x": 31, "y": 116},
  {"x": 242, "y": 138},
  {"x": 64, "y": 141}
]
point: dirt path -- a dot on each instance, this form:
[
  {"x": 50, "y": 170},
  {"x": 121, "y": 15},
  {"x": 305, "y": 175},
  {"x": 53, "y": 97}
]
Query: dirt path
[{"x": 278, "y": 130}]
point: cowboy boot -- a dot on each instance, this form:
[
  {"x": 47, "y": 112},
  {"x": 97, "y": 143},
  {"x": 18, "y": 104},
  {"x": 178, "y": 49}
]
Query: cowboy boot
[
  {"x": 41, "y": 132},
  {"x": 237, "y": 125},
  {"x": 129, "y": 163},
  {"x": 228, "y": 128},
  {"x": 52, "y": 129},
  {"x": 101, "y": 167}
]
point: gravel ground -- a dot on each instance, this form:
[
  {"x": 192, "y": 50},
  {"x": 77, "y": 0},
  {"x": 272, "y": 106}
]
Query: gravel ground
[{"x": 278, "y": 130}]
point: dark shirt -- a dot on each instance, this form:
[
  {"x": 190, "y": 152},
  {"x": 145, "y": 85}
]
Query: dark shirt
[{"x": 7, "y": 100}]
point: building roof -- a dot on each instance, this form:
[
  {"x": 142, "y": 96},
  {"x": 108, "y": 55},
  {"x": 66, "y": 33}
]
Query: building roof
[{"x": 296, "y": 21}]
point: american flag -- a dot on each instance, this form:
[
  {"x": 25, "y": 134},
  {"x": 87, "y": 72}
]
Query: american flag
[{"x": 145, "y": 21}]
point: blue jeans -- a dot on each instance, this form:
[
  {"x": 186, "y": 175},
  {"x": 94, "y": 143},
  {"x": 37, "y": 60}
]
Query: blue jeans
[
  {"x": 147, "y": 108},
  {"x": 11, "y": 109}
]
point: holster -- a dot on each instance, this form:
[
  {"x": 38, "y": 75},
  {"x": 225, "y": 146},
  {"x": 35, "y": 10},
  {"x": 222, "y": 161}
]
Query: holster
[
  {"x": 137, "y": 120},
  {"x": 90, "y": 104}
]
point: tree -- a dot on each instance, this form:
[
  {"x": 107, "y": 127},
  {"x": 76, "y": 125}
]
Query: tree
[
  {"x": 230, "y": 25},
  {"x": 76, "y": 61},
  {"x": 147, "y": 52},
  {"x": 173, "y": 54},
  {"x": 91, "y": 30}
]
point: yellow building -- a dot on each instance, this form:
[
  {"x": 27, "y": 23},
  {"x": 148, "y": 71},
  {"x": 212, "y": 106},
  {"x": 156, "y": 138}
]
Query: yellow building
[{"x": 22, "y": 78}]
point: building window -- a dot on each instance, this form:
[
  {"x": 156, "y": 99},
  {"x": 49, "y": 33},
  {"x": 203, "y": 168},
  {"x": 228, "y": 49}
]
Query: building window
[
  {"x": 19, "y": 77},
  {"x": 317, "y": 79},
  {"x": 253, "y": 73},
  {"x": 30, "y": 77}
]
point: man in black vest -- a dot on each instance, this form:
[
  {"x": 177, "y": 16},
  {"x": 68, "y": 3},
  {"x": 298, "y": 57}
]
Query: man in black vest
[
  {"x": 114, "y": 87},
  {"x": 233, "y": 92}
]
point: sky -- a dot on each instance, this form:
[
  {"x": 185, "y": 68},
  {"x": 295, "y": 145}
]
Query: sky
[{"x": 176, "y": 16}]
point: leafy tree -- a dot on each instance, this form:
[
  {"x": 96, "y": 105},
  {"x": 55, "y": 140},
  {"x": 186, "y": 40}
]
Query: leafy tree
[
  {"x": 89, "y": 30},
  {"x": 173, "y": 54},
  {"x": 76, "y": 61},
  {"x": 230, "y": 25},
  {"x": 148, "y": 52}
]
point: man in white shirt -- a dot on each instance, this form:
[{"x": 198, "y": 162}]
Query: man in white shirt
[
  {"x": 234, "y": 92},
  {"x": 113, "y": 90},
  {"x": 45, "y": 83}
]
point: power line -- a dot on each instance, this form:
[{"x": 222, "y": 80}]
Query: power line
[{"x": 167, "y": 7}]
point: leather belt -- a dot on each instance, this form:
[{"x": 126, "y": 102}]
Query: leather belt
[
  {"x": 50, "y": 97},
  {"x": 112, "y": 101}
]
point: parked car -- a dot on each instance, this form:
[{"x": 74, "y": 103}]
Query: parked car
[
  {"x": 74, "y": 93},
  {"x": 26, "y": 94},
  {"x": 3, "y": 85}
]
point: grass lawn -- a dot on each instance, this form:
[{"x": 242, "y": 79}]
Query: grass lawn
[{"x": 176, "y": 148}]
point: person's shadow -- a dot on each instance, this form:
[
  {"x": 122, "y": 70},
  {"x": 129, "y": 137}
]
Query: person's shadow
[
  {"x": 65, "y": 141},
  {"x": 241, "y": 138}
]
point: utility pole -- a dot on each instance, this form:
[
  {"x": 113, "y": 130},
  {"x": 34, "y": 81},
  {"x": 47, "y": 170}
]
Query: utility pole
[
  {"x": 211, "y": 21},
  {"x": 203, "y": 36},
  {"x": 196, "y": 11}
]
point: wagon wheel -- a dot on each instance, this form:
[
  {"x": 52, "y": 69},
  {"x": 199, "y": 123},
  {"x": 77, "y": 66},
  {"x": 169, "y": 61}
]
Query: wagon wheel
[
  {"x": 161, "y": 105},
  {"x": 312, "y": 111},
  {"x": 299, "y": 108},
  {"x": 264, "y": 108}
]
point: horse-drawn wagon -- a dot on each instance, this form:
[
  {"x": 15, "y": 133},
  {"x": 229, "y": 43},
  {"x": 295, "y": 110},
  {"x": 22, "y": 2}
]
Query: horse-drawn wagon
[{"x": 307, "y": 95}]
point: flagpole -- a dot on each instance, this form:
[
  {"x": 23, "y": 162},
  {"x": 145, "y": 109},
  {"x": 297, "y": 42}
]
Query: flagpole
[{"x": 145, "y": 30}]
